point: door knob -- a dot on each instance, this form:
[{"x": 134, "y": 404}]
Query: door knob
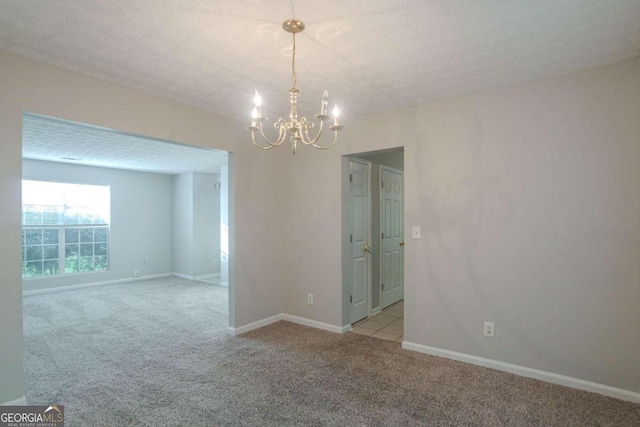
[
  {"x": 401, "y": 243},
  {"x": 367, "y": 249}
]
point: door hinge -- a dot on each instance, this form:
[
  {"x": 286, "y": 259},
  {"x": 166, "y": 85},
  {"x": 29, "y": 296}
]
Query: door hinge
[
  {"x": 350, "y": 238},
  {"x": 350, "y": 178},
  {"x": 351, "y": 298},
  {"x": 383, "y": 286},
  {"x": 382, "y": 184},
  {"x": 383, "y": 235}
]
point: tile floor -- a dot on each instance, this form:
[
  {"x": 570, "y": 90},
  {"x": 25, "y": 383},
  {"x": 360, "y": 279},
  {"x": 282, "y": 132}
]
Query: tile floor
[{"x": 388, "y": 325}]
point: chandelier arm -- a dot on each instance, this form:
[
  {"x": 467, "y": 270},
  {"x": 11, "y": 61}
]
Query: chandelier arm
[
  {"x": 309, "y": 140},
  {"x": 253, "y": 139},
  {"x": 281, "y": 134},
  {"x": 335, "y": 138}
]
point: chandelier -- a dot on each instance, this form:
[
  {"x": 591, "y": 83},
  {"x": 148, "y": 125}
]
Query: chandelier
[{"x": 297, "y": 129}]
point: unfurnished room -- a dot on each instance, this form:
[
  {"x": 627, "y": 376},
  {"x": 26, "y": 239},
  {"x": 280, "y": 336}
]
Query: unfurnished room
[{"x": 291, "y": 213}]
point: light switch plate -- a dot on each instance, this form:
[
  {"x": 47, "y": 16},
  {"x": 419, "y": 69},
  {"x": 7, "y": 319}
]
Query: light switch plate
[{"x": 416, "y": 232}]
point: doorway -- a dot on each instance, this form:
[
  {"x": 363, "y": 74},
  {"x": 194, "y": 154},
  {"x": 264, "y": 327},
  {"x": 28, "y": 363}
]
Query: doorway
[{"x": 374, "y": 267}]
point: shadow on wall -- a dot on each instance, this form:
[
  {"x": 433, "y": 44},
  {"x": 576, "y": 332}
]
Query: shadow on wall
[{"x": 456, "y": 214}]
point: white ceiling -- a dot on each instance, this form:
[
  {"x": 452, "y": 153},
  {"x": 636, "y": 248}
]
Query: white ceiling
[
  {"x": 65, "y": 142},
  {"x": 371, "y": 55}
]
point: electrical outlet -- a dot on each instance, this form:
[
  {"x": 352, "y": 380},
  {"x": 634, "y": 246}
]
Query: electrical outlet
[
  {"x": 309, "y": 298},
  {"x": 214, "y": 262},
  {"x": 489, "y": 329},
  {"x": 136, "y": 273},
  {"x": 144, "y": 262}
]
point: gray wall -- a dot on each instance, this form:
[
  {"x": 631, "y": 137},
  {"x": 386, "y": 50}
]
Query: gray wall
[
  {"x": 528, "y": 200},
  {"x": 182, "y": 226},
  {"x": 196, "y": 224},
  {"x": 206, "y": 224},
  {"x": 140, "y": 220}
]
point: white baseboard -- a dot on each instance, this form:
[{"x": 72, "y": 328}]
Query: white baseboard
[
  {"x": 523, "y": 371},
  {"x": 293, "y": 319},
  {"x": 201, "y": 277},
  {"x": 17, "y": 402},
  {"x": 315, "y": 324},
  {"x": 255, "y": 325},
  {"x": 91, "y": 285},
  {"x": 376, "y": 311},
  {"x": 225, "y": 284},
  {"x": 207, "y": 276}
]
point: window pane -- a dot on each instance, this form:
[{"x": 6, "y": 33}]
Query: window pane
[
  {"x": 33, "y": 269},
  {"x": 24, "y": 254},
  {"x": 71, "y": 264},
  {"x": 50, "y": 236},
  {"x": 84, "y": 218},
  {"x": 100, "y": 249},
  {"x": 32, "y": 218},
  {"x": 101, "y": 263},
  {"x": 71, "y": 235},
  {"x": 86, "y": 236},
  {"x": 34, "y": 253},
  {"x": 50, "y": 252},
  {"x": 33, "y": 237},
  {"x": 71, "y": 250},
  {"x": 86, "y": 249},
  {"x": 100, "y": 235},
  {"x": 49, "y": 218},
  {"x": 70, "y": 217},
  {"x": 51, "y": 268},
  {"x": 86, "y": 264}
]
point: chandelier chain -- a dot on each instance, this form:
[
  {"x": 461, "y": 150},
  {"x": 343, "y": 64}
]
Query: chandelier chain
[{"x": 293, "y": 62}]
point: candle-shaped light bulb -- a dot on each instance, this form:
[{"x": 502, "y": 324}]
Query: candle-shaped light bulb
[
  {"x": 254, "y": 113},
  {"x": 257, "y": 100},
  {"x": 325, "y": 102},
  {"x": 336, "y": 113}
]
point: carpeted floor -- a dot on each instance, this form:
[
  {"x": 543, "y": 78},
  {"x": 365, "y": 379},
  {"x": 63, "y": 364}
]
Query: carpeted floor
[{"x": 157, "y": 353}]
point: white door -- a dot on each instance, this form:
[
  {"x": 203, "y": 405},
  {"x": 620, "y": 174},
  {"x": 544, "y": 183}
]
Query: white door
[
  {"x": 391, "y": 228},
  {"x": 359, "y": 238}
]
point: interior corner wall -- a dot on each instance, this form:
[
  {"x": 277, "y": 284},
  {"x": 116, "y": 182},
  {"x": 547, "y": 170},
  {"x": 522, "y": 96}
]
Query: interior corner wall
[
  {"x": 528, "y": 200},
  {"x": 140, "y": 219},
  {"x": 206, "y": 224},
  {"x": 29, "y": 86},
  {"x": 182, "y": 224}
]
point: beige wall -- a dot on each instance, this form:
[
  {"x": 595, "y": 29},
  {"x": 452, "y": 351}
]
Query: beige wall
[
  {"x": 32, "y": 87},
  {"x": 528, "y": 198}
]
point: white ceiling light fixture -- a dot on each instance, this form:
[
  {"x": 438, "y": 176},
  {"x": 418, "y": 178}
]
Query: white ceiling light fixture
[{"x": 298, "y": 129}]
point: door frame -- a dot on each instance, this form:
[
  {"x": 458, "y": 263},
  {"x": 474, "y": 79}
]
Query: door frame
[{"x": 369, "y": 237}]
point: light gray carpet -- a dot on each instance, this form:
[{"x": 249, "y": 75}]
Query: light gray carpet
[{"x": 156, "y": 353}]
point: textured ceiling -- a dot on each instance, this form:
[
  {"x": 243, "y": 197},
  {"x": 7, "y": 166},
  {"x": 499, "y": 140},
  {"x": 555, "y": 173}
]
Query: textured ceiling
[
  {"x": 66, "y": 142},
  {"x": 370, "y": 55}
]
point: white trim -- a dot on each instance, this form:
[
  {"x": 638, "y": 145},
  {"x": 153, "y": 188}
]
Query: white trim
[
  {"x": 255, "y": 325},
  {"x": 376, "y": 311},
  {"x": 315, "y": 324},
  {"x": 207, "y": 276},
  {"x": 91, "y": 285},
  {"x": 183, "y": 276},
  {"x": 523, "y": 371},
  {"x": 225, "y": 284},
  {"x": 289, "y": 318},
  {"x": 17, "y": 402}
]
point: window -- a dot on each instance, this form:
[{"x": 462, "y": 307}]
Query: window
[{"x": 65, "y": 228}]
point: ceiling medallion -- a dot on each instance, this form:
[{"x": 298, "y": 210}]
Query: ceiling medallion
[{"x": 298, "y": 130}]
